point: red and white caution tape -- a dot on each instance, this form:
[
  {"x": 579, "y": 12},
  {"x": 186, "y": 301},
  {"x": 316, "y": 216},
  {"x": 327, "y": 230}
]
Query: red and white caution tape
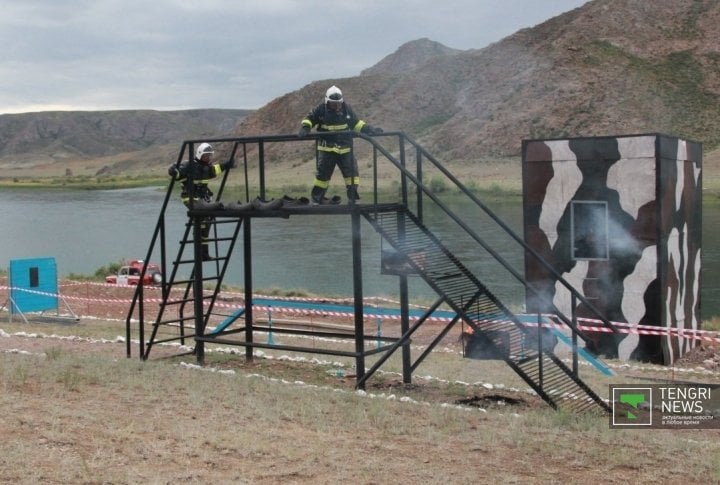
[{"x": 585, "y": 324}]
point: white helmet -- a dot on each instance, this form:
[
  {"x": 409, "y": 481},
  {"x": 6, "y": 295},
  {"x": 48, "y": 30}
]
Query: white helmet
[
  {"x": 333, "y": 94},
  {"x": 203, "y": 149}
]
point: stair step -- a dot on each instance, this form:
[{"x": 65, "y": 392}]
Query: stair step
[
  {"x": 462, "y": 290},
  {"x": 175, "y": 320},
  {"x": 557, "y": 380},
  {"x": 441, "y": 276},
  {"x": 569, "y": 387}
]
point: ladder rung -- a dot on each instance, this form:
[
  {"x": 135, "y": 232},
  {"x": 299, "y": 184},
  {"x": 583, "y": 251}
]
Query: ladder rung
[{"x": 185, "y": 282}]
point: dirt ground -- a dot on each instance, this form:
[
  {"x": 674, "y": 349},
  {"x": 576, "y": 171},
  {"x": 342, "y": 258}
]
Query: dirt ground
[
  {"x": 100, "y": 304},
  {"x": 96, "y": 302}
]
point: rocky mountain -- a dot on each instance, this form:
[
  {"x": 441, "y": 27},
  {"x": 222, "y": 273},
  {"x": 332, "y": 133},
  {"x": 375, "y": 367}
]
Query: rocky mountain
[
  {"x": 52, "y": 143},
  {"x": 410, "y": 56},
  {"x": 608, "y": 67}
]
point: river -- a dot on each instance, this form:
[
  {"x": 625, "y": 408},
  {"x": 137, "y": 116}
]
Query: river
[{"x": 86, "y": 230}]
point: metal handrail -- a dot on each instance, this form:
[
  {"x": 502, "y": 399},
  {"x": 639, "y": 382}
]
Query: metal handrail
[
  {"x": 426, "y": 190},
  {"x": 400, "y": 164}
]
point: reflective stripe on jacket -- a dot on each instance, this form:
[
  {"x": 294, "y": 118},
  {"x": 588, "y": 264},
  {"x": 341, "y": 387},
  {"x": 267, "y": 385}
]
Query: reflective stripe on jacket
[
  {"x": 328, "y": 121},
  {"x": 201, "y": 176}
]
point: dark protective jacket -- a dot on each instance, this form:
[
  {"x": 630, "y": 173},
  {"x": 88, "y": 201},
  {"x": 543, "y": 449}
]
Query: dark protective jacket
[
  {"x": 328, "y": 121},
  {"x": 201, "y": 173}
]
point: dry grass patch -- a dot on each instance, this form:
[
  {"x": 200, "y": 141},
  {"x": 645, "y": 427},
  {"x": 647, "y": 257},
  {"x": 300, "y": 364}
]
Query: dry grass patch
[{"x": 74, "y": 415}]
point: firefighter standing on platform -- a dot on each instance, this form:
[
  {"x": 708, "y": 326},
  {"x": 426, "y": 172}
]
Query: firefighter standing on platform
[
  {"x": 335, "y": 115},
  {"x": 200, "y": 170}
]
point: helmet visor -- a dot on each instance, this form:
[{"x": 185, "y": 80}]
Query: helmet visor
[
  {"x": 335, "y": 101},
  {"x": 204, "y": 149}
]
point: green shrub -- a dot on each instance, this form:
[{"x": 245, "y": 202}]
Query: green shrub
[{"x": 437, "y": 184}]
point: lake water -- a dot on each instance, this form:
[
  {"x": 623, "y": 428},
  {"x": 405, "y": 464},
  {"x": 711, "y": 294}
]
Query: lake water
[{"x": 85, "y": 230}]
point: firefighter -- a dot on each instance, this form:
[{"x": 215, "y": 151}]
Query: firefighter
[
  {"x": 200, "y": 170},
  {"x": 332, "y": 115}
]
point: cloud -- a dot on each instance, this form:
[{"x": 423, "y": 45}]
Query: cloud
[{"x": 176, "y": 54}]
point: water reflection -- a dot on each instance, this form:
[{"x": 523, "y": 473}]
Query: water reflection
[{"x": 84, "y": 230}]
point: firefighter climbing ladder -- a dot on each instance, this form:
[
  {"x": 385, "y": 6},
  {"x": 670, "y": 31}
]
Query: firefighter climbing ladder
[{"x": 190, "y": 287}]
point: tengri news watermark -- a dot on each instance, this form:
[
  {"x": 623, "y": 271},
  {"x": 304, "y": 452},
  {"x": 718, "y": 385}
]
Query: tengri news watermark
[{"x": 667, "y": 406}]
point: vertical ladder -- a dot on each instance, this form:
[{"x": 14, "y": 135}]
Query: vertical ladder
[{"x": 179, "y": 291}]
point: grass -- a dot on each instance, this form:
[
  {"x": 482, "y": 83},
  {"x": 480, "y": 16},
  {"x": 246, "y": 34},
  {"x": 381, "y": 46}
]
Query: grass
[
  {"x": 680, "y": 85},
  {"x": 77, "y": 417},
  {"x": 712, "y": 324}
]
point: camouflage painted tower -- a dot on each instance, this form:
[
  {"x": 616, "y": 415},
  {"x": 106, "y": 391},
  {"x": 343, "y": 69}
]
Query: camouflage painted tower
[{"x": 620, "y": 218}]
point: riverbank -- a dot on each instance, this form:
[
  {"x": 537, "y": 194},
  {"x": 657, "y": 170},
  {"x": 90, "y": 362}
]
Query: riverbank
[
  {"x": 83, "y": 182},
  {"x": 491, "y": 187},
  {"x": 493, "y": 178}
]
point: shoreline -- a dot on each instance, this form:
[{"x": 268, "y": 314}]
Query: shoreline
[
  {"x": 82, "y": 182},
  {"x": 490, "y": 188}
]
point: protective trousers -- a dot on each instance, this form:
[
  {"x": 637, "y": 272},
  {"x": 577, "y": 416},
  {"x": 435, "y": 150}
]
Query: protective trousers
[
  {"x": 205, "y": 225},
  {"x": 326, "y": 163}
]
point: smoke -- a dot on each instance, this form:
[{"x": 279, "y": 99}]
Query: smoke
[
  {"x": 622, "y": 243},
  {"x": 598, "y": 236}
]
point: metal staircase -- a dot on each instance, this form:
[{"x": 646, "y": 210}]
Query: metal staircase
[
  {"x": 190, "y": 287},
  {"x": 522, "y": 347}
]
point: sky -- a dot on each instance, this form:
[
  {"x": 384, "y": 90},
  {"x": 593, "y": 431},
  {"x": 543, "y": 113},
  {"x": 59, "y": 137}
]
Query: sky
[{"x": 240, "y": 54}]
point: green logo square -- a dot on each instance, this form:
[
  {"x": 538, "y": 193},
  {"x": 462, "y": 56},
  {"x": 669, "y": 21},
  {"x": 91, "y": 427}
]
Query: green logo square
[{"x": 631, "y": 406}]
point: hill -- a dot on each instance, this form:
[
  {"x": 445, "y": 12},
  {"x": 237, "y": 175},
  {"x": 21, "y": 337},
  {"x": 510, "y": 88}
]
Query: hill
[
  {"x": 608, "y": 67},
  {"x": 109, "y": 142}
]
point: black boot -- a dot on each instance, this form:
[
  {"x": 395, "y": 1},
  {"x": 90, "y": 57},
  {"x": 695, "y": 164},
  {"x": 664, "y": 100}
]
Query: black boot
[
  {"x": 206, "y": 253},
  {"x": 317, "y": 195},
  {"x": 352, "y": 193}
]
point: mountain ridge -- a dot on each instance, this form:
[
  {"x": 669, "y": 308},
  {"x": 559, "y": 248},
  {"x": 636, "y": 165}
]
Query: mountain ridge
[
  {"x": 609, "y": 67},
  {"x": 108, "y": 142}
]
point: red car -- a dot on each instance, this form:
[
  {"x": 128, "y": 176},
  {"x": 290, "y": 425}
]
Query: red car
[{"x": 130, "y": 274}]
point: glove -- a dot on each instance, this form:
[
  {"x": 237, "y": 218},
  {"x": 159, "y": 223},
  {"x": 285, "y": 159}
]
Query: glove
[
  {"x": 372, "y": 131},
  {"x": 228, "y": 164},
  {"x": 304, "y": 130},
  {"x": 172, "y": 171},
  {"x": 376, "y": 131}
]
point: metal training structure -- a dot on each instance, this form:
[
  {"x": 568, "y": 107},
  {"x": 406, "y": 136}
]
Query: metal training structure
[{"x": 422, "y": 238}]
